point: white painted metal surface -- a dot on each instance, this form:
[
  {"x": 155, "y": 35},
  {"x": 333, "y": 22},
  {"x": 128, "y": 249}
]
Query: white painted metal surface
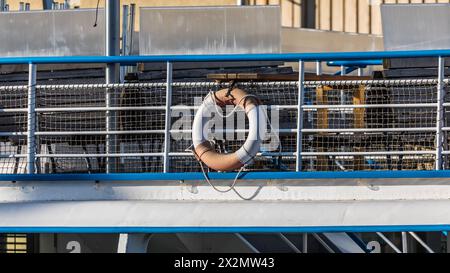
[
  {"x": 270, "y": 190},
  {"x": 223, "y": 214},
  {"x": 52, "y": 33},
  {"x": 416, "y": 26},
  {"x": 301, "y": 203},
  {"x": 210, "y": 30}
]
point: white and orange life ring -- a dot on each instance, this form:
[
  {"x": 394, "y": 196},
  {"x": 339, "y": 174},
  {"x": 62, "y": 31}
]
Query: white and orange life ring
[{"x": 204, "y": 150}]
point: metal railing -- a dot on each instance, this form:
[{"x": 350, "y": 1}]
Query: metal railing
[{"x": 328, "y": 117}]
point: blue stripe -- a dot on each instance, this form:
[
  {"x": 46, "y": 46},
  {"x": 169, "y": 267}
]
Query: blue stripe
[
  {"x": 342, "y": 56},
  {"x": 412, "y": 228},
  {"x": 227, "y": 176}
]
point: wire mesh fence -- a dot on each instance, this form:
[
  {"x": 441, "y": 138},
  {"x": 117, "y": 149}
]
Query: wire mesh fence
[
  {"x": 347, "y": 125},
  {"x": 370, "y": 125}
]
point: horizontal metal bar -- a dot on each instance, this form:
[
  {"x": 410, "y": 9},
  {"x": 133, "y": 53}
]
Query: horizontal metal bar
[
  {"x": 129, "y": 108},
  {"x": 13, "y": 110},
  {"x": 120, "y": 85},
  {"x": 98, "y": 86},
  {"x": 96, "y": 109},
  {"x": 13, "y": 155},
  {"x": 180, "y": 154},
  {"x": 14, "y": 88},
  {"x": 131, "y": 132},
  {"x": 7, "y": 134},
  {"x": 258, "y": 154},
  {"x": 128, "y": 60},
  {"x": 149, "y": 85},
  {"x": 269, "y": 107},
  {"x": 77, "y": 133},
  {"x": 338, "y": 155},
  {"x": 370, "y": 130},
  {"x": 311, "y": 84},
  {"x": 173, "y": 154},
  {"x": 375, "y": 157},
  {"x": 220, "y": 131},
  {"x": 351, "y": 106},
  {"x": 98, "y": 155},
  {"x": 72, "y": 133},
  {"x": 368, "y": 153},
  {"x": 183, "y": 107}
]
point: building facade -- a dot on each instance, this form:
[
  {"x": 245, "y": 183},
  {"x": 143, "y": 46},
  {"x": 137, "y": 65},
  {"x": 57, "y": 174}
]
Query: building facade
[{"x": 356, "y": 16}]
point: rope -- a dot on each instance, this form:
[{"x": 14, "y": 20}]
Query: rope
[
  {"x": 218, "y": 110},
  {"x": 230, "y": 88},
  {"x": 96, "y": 14},
  {"x": 232, "y": 187}
]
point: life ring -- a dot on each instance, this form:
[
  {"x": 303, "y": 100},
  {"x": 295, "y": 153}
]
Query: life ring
[{"x": 204, "y": 150}]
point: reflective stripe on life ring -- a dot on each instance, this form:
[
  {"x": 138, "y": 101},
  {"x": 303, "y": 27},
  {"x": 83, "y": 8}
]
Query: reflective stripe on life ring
[{"x": 205, "y": 151}]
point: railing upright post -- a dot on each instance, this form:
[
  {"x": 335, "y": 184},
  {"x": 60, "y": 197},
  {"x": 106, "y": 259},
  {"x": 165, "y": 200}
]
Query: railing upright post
[
  {"x": 31, "y": 121},
  {"x": 168, "y": 116},
  {"x": 318, "y": 68},
  {"x": 404, "y": 242},
  {"x": 301, "y": 87},
  {"x": 440, "y": 114},
  {"x": 124, "y": 52},
  {"x": 305, "y": 243},
  {"x": 360, "y": 71},
  {"x": 112, "y": 29}
]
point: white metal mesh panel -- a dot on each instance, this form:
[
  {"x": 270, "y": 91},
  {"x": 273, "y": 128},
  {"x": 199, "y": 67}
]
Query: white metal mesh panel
[
  {"x": 270, "y": 94},
  {"x": 369, "y": 125},
  {"x": 347, "y": 125},
  {"x": 13, "y": 126}
]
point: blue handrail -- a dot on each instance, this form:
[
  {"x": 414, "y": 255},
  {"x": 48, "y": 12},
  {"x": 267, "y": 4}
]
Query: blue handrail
[
  {"x": 307, "y": 57},
  {"x": 227, "y": 176},
  {"x": 357, "y": 63}
]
